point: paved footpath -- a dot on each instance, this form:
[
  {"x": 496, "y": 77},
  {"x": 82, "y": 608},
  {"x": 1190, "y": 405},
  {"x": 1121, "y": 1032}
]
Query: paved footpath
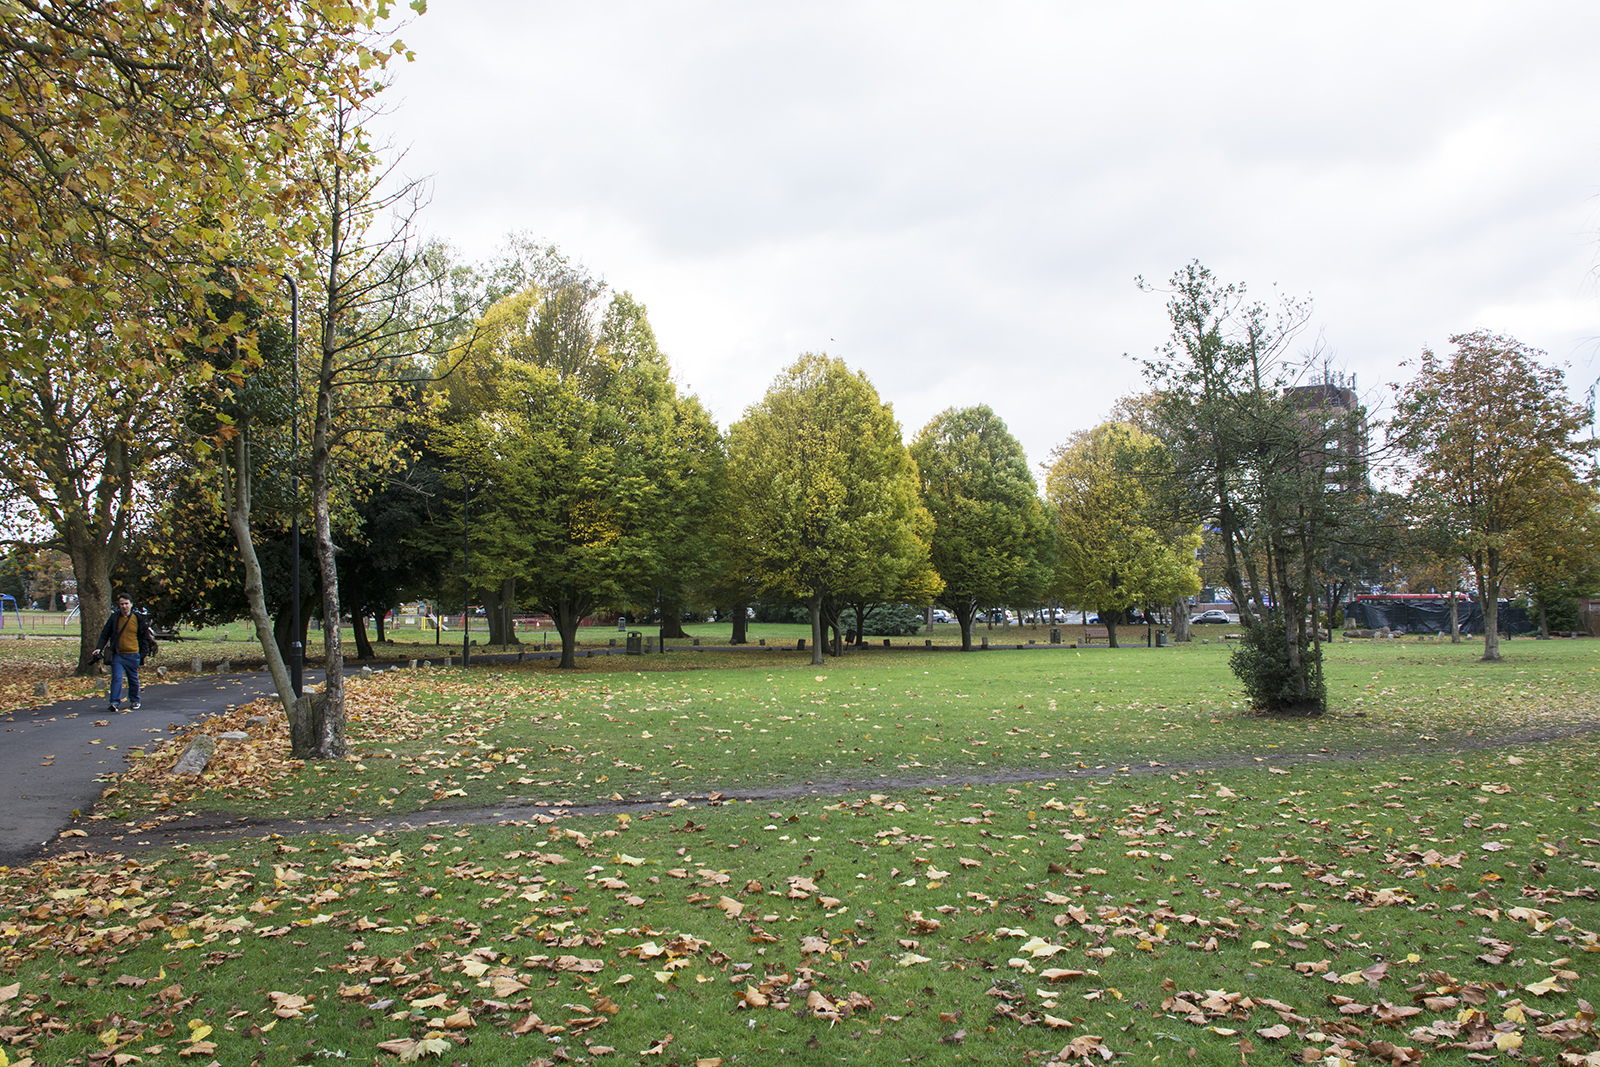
[{"x": 53, "y": 757}]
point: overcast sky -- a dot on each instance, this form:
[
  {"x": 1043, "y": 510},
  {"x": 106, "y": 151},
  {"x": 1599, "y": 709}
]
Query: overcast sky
[{"x": 956, "y": 198}]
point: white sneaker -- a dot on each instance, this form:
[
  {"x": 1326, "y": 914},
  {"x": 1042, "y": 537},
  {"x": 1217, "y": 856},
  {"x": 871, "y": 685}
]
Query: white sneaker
[{"x": 134, "y": 706}]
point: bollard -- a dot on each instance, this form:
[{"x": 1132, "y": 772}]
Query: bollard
[
  {"x": 613, "y": 642},
  {"x": 927, "y": 643},
  {"x": 763, "y": 642},
  {"x": 522, "y": 656},
  {"x": 697, "y": 642},
  {"x": 885, "y": 642},
  {"x": 801, "y": 647},
  {"x": 985, "y": 642},
  {"x": 226, "y": 666},
  {"x": 1055, "y": 636},
  {"x": 195, "y": 666},
  {"x": 413, "y": 664}
]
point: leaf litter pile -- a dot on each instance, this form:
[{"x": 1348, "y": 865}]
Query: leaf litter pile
[{"x": 1381, "y": 913}]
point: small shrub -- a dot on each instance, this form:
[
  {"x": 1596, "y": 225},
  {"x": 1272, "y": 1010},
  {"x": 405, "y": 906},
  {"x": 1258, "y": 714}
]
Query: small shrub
[{"x": 1262, "y": 663}]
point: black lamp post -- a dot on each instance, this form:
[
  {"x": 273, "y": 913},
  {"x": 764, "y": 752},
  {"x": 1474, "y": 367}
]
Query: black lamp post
[
  {"x": 296, "y": 649},
  {"x": 466, "y": 570}
]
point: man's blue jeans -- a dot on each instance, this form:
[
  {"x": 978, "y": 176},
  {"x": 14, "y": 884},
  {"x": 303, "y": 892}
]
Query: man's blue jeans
[{"x": 124, "y": 663}]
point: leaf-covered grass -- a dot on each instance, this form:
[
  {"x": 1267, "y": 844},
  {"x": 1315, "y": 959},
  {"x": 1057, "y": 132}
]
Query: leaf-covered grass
[
  {"x": 446, "y": 738},
  {"x": 1369, "y": 912}
]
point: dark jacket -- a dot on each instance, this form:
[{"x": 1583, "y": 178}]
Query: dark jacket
[{"x": 147, "y": 641}]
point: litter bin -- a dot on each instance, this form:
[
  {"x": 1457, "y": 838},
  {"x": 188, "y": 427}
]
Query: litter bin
[
  {"x": 1055, "y": 636},
  {"x": 635, "y": 643},
  {"x": 1161, "y": 639}
]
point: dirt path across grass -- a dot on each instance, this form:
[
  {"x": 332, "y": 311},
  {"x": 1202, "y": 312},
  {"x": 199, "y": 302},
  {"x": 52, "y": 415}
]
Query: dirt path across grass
[{"x": 104, "y": 837}]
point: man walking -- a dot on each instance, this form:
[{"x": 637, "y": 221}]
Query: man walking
[{"x": 125, "y": 640}]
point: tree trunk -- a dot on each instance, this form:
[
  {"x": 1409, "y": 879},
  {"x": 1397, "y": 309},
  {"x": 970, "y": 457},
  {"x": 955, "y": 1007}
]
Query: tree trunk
[
  {"x": 498, "y": 603},
  {"x": 92, "y": 568},
  {"x": 358, "y": 620},
  {"x": 1180, "y": 621},
  {"x": 1110, "y": 620},
  {"x": 328, "y": 729},
  {"x": 1489, "y": 593},
  {"x": 964, "y": 615},
  {"x": 741, "y": 625},
  {"x": 566, "y": 616},
  {"x": 358, "y": 623},
  {"x": 378, "y": 622},
  {"x": 815, "y": 604},
  {"x": 236, "y": 496},
  {"x": 671, "y": 618}
]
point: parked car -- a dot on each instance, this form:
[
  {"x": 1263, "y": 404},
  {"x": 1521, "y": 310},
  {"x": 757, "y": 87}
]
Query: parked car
[
  {"x": 941, "y": 615},
  {"x": 1211, "y": 615}
]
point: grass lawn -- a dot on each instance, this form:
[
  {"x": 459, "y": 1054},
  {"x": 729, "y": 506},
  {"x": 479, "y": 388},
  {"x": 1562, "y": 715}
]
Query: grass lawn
[{"x": 1014, "y": 857}]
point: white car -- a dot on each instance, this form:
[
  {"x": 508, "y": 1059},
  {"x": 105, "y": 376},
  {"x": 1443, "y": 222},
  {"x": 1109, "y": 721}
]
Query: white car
[{"x": 1211, "y": 615}]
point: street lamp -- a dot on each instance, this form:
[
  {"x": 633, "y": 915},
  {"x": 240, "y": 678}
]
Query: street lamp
[
  {"x": 296, "y": 649},
  {"x": 466, "y": 568}
]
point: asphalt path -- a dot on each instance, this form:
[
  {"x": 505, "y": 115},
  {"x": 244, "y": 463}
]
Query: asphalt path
[{"x": 54, "y": 760}]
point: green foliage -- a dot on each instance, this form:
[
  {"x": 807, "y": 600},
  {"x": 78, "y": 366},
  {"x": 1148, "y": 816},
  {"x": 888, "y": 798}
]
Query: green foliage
[
  {"x": 823, "y": 494},
  {"x": 592, "y": 476},
  {"x": 1272, "y": 679},
  {"x": 892, "y": 620},
  {"x": 145, "y": 143},
  {"x": 1112, "y": 553},
  {"x": 1493, "y": 441},
  {"x": 991, "y": 539}
]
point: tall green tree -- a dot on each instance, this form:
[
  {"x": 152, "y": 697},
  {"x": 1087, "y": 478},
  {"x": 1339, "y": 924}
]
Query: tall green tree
[
  {"x": 991, "y": 538},
  {"x": 823, "y": 494},
  {"x": 1113, "y": 551},
  {"x": 591, "y": 476},
  {"x": 1493, "y": 442}
]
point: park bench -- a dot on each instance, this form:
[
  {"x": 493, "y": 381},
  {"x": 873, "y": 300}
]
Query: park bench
[{"x": 1092, "y": 632}]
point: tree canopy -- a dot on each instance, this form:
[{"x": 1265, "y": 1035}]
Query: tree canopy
[
  {"x": 591, "y": 475},
  {"x": 1492, "y": 439},
  {"x": 1113, "y": 552},
  {"x": 991, "y": 539},
  {"x": 823, "y": 494}
]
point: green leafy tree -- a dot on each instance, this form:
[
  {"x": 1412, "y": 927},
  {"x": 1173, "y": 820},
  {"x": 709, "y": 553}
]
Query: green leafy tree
[
  {"x": 1492, "y": 439},
  {"x": 1113, "y": 554},
  {"x": 991, "y": 538},
  {"x": 142, "y": 144},
  {"x": 823, "y": 494},
  {"x": 591, "y": 475},
  {"x": 1212, "y": 380}
]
